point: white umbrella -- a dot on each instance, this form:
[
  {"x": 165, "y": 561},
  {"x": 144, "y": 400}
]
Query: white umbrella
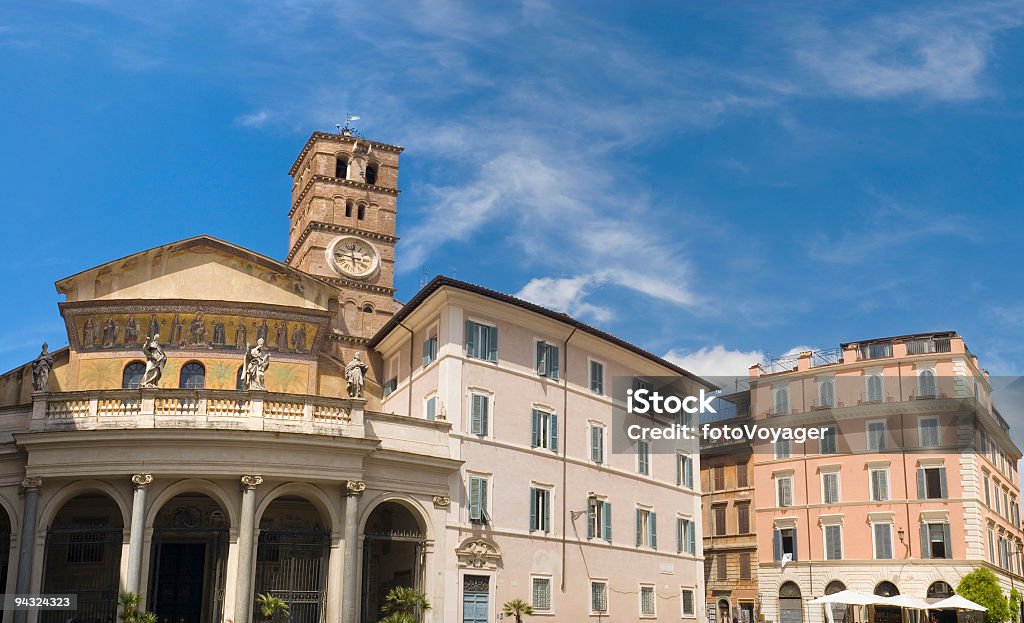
[
  {"x": 956, "y": 602},
  {"x": 854, "y": 598},
  {"x": 906, "y": 601}
]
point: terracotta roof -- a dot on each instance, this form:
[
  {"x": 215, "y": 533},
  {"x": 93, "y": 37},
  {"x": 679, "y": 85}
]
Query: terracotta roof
[{"x": 441, "y": 282}]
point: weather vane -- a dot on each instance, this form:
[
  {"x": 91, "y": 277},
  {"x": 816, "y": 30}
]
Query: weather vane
[{"x": 347, "y": 129}]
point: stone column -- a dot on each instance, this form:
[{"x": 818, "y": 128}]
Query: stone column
[
  {"x": 246, "y": 548},
  {"x": 137, "y": 535},
  {"x": 350, "y": 595},
  {"x": 27, "y": 543}
]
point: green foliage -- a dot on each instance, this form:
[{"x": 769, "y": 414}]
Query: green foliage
[
  {"x": 517, "y": 608},
  {"x": 274, "y": 609},
  {"x": 1014, "y": 605},
  {"x": 982, "y": 587},
  {"x": 130, "y": 609},
  {"x": 404, "y": 605}
]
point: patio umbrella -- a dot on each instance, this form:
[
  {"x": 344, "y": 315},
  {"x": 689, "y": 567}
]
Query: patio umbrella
[
  {"x": 854, "y": 598},
  {"x": 956, "y": 602},
  {"x": 906, "y": 601}
]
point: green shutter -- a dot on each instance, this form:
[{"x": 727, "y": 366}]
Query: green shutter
[
  {"x": 679, "y": 535},
  {"x": 471, "y": 339},
  {"x": 553, "y": 361},
  {"x": 639, "y": 536},
  {"x": 533, "y": 509},
  {"x": 474, "y": 499},
  {"x": 591, "y": 507},
  {"x": 553, "y": 432},
  {"x": 535, "y": 434},
  {"x": 949, "y": 541},
  {"x": 926, "y": 551},
  {"x": 606, "y": 515},
  {"x": 492, "y": 343},
  {"x": 921, "y": 487},
  {"x": 652, "y": 522}
]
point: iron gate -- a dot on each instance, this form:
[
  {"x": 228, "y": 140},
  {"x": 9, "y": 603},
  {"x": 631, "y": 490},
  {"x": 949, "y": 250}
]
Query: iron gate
[
  {"x": 84, "y": 562},
  {"x": 214, "y": 572},
  {"x": 292, "y": 565}
]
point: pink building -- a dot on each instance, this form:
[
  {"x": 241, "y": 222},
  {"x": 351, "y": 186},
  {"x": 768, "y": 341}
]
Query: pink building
[{"x": 913, "y": 484}]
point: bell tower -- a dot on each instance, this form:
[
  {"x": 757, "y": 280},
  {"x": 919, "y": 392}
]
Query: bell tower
[{"x": 342, "y": 219}]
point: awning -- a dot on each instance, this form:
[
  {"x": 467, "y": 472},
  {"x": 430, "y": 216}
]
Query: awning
[
  {"x": 852, "y": 598},
  {"x": 906, "y": 601},
  {"x": 956, "y": 602}
]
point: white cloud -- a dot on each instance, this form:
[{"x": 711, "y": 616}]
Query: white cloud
[
  {"x": 566, "y": 295},
  {"x": 715, "y": 361},
  {"x": 253, "y": 120}
]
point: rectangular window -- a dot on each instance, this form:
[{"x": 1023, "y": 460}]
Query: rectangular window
[
  {"x": 988, "y": 495},
  {"x": 547, "y": 360},
  {"x": 545, "y": 430},
  {"x": 722, "y": 566},
  {"x": 597, "y": 377},
  {"x": 643, "y": 457},
  {"x": 599, "y": 519},
  {"x": 478, "y": 500},
  {"x": 931, "y": 483},
  {"x": 541, "y": 595},
  {"x": 481, "y": 341},
  {"x": 430, "y": 408},
  {"x": 479, "y": 414},
  {"x": 540, "y": 510},
  {"x": 829, "y": 441},
  {"x": 782, "y": 449},
  {"x": 686, "y": 597},
  {"x": 936, "y": 541},
  {"x": 684, "y": 471},
  {"x": 785, "y": 491},
  {"x": 1006, "y": 504},
  {"x": 833, "y": 542},
  {"x": 991, "y": 546},
  {"x": 830, "y": 487},
  {"x": 745, "y": 566},
  {"x": 741, "y": 475},
  {"x": 928, "y": 431},
  {"x": 743, "y": 518},
  {"x": 719, "y": 511},
  {"x": 995, "y": 498},
  {"x": 391, "y": 384},
  {"x": 430, "y": 350},
  {"x": 686, "y": 540},
  {"x": 876, "y": 436},
  {"x": 879, "y": 485},
  {"x": 883, "y": 541},
  {"x": 646, "y": 528},
  {"x": 647, "y": 601},
  {"x": 719, "y": 472},
  {"x": 598, "y": 597},
  {"x": 784, "y": 544},
  {"x": 597, "y": 443}
]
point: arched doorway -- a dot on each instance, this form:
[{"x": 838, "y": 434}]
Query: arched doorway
[
  {"x": 189, "y": 556},
  {"x": 942, "y": 590},
  {"x": 393, "y": 554},
  {"x": 83, "y": 557},
  {"x": 5, "y": 546},
  {"x": 790, "y": 604},
  {"x": 724, "y": 612},
  {"x": 840, "y": 612},
  {"x": 887, "y": 614},
  {"x": 291, "y": 559}
]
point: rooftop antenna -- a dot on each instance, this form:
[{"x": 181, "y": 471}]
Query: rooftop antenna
[
  {"x": 426, "y": 277},
  {"x": 347, "y": 129}
]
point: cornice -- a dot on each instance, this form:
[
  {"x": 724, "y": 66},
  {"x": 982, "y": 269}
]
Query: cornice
[
  {"x": 337, "y": 181},
  {"x": 339, "y": 229},
  {"x": 339, "y": 138},
  {"x": 338, "y": 282}
]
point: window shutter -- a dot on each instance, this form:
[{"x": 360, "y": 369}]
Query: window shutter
[
  {"x": 926, "y": 550},
  {"x": 652, "y": 522},
  {"x": 535, "y": 439},
  {"x": 777, "y": 544},
  {"x": 691, "y": 538},
  {"x": 591, "y": 507},
  {"x": 794, "y": 545},
  {"x": 471, "y": 339},
  {"x": 426, "y": 351},
  {"x": 679, "y": 469},
  {"x": 639, "y": 536},
  {"x": 474, "y": 499},
  {"x": 679, "y": 535},
  {"x": 595, "y": 444},
  {"x": 545, "y": 517},
  {"x": 948, "y": 539},
  {"x": 533, "y": 509},
  {"x": 553, "y": 432},
  {"x": 474, "y": 415},
  {"x": 920, "y": 484},
  {"x": 944, "y": 492},
  {"x": 432, "y": 408},
  {"x": 606, "y": 514},
  {"x": 688, "y": 472},
  {"x": 553, "y": 362},
  {"x": 492, "y": 344},
  {"x": 542, "y": 360}
]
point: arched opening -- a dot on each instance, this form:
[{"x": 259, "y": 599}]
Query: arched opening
[
  {"x": 341, "y": 167},
  {"x": 193, "y": 376},
  {"x": 188, "y": 560},
  {"x": 291, "y": 558},
  {"x": 5, "y": 546},
  {"x": 724, "y": 612},
  {"x": 83, "y": 557},
  {"x": 131, "y": 378},
  {"x": 841, "y": 613},
  {"x": 392, "y": 555},
  {"x": 349, "y": 205},
  {"x": 887, "y": 614},
  {"x": 361, "y": 211},
  {"x": 942, "y": 590},
  {"x": 371, "y": 174},
  {"x": 790, "y": 603}
]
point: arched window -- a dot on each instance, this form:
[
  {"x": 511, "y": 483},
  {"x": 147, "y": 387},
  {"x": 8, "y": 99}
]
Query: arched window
[
  {"x": 926, "y": 384},
  {"x": 131, "y": 378},
  {"x": 782, "y": 401},
  {"x": 834, "y": 587},
  {"x": 789, "y": 590},
  {"x": 875, "y": 388},
  {"x": 193, "y": 376},
  {"x": 940, "y": 590},
  {"x": 371, "y": 174},
  {"x": 886, "y": 589},
  {"x": 341, "y": 167},
  {"x": 367, "y": 309},
  {"x": 827, "y": 393},
  {"x": 361, "y": 212},
  {"x": 348, "y": 207},
  {"x": 840, "y": 612}
]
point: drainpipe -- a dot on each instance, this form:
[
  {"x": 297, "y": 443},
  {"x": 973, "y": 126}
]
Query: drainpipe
[
  {"x": 565, "y": 446},
  {"x": 908, "y": 553},
  {"x": 408, "y": 389}
]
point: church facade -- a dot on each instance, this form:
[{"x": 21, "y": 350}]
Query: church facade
[{"x": 222, "y": 425}]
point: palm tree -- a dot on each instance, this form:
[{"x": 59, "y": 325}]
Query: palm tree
[
  {"x": 404, "y": 605},
  {"x": 274, "y": 609},
  {"x": 517, "y": 608},
  {"x": 130, "y": 609}
]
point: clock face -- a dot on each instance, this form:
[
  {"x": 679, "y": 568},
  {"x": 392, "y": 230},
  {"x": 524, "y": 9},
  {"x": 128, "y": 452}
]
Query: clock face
[{"x": 353, "y": 257}]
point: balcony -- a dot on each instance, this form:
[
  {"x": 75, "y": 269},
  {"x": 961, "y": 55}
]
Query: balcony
[{"x": 928, "y": 346}]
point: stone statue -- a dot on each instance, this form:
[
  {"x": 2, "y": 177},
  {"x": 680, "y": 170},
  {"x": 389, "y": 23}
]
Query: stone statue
[
  {"x": 155, "y": 361},
  {"x": 41, "y": 369},
  {"x": 254, "y": 368},
  {"x": 355, "y": 374}
]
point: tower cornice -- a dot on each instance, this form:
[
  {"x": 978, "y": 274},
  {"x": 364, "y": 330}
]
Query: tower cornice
[
  {"x": 337, "y": 229},
  {"x": 340, "y": 139},
  {"x": 339, "y": 182}
]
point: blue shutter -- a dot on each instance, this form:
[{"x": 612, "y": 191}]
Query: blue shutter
[
  {"x": 591, "y": 507},
  {"x": 535, "y": 438},
  {"x": 680, "y": 536},
  {"x": 553, "y": 432},
  {"x": 492, "y": 344},
  {"x": 926, "y": 551},
  {"x": 921, "y": 489},
  {"x": 553, "y": 362},
  {"x": 471, "y": 339},
  {"x": 533, "y": 509},
  {"x": 546, "y": 517},
  {"x": 777, "y": 544},
  {"x": 794, "y": 545},
  {"x": 948, "y": 539},
  {"x": 639, "y": 536},
  {"x": 432, "y": 408},
  {"x": 542, "y": 359},
  {"x": 680, "y": 459},
  {"x": 691, "y": 538},
  {"x": 688, "y": 472},
  {"x": 606, "y": 514},
  {"x": 944, "y": 491},
  {"x": 652, "y": 522},
  {"x": 474, "y": 499}
]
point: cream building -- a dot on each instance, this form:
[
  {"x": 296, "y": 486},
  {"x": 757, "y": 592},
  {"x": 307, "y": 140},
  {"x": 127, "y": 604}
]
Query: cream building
[{"x": 476, "y": 468}]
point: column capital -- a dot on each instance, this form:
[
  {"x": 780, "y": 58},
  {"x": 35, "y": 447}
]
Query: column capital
[
  {"x": 251, "y": 481},
  {"x": 32, "y": 483},
  {"x": 354, "y": 487},
  {"x": 142, "y": 480}
]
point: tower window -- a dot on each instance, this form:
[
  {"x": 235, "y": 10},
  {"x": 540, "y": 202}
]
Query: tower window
[
  {"x": 193, "y": 376},
  {"x": 371, "y": 174},
  {"x": 341, "y": 168},
  {"x": 367, "y": 309},
  {"x": 348, "y": 208},
  {"x": 361, "y": 212}
]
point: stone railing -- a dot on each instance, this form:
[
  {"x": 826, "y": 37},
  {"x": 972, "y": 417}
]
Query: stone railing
[{"x": 203, "y": 408}]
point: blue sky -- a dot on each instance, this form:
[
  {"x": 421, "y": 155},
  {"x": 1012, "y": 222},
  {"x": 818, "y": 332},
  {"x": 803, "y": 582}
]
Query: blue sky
[{"x": 711, "y": 181}]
